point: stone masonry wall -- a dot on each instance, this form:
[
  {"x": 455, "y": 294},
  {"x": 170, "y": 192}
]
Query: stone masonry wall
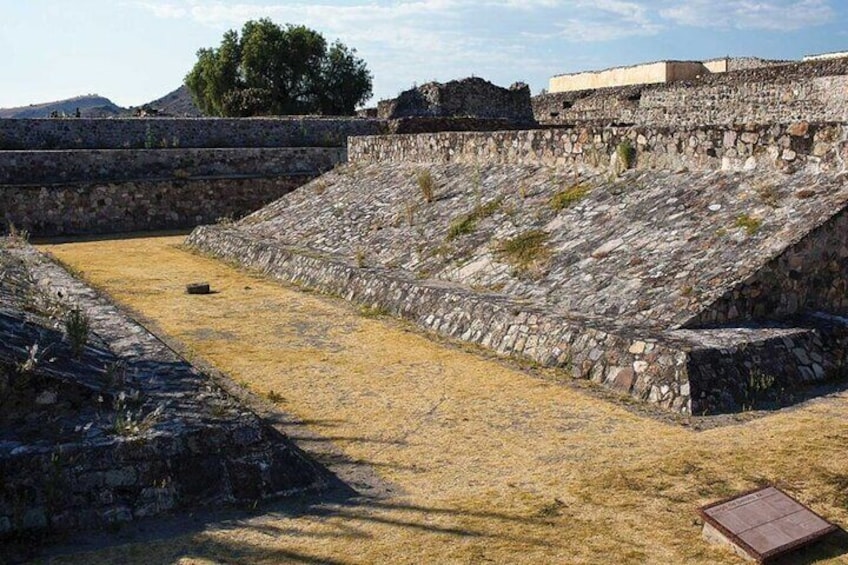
[
  {"x": 153, "y": 434},
  {"x": 801, "y": 145},
  {"x": 150, "y": 133},
  {"x": 811, "y": 275},
  {"x": 684, "y": 371},
  {"x": 141, "y": 205},
  {"x": 107, "y": 165},
  {"x": 702, "y": 102},
  {"x": 493, "y": 321}
]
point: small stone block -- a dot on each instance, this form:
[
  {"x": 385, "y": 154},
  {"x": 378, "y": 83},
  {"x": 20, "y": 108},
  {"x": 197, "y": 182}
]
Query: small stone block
[
  {"x": 763, "y": 524},
  {"x": 197, "y": 288}
]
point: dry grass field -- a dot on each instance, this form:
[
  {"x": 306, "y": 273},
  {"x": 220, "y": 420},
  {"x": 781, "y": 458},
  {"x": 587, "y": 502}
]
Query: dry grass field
[{"x": 457, "y": 457}]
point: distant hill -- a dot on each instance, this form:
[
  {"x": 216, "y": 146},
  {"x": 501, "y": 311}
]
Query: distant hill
[
  {"x": 176, "y": 103},
  {"x": 90, "y": 106}
]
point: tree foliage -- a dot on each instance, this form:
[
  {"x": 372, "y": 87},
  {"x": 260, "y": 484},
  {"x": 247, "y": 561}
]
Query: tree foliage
[{"x": 272, "y": 70}]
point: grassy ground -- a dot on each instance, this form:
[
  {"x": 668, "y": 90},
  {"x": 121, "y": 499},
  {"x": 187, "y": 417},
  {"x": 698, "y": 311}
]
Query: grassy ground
[{"x": 459, "y": 458}]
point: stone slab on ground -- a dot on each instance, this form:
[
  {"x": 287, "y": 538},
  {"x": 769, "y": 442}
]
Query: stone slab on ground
[{"x": 763, "y": 524}]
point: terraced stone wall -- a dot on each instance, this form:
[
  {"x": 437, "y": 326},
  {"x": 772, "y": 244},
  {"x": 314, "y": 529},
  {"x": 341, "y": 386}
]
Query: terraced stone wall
[
  {"x": 105, "y": 165},
  {"x": 137, "y": 205},
  {"x": 151, "y": 133},
  {"x": 812, "y": 91},
  {"x": 786, "y": 147}
]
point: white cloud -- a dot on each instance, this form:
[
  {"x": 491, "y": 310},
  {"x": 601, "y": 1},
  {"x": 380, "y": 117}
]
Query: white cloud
[
  {"x": 402, "y": 42},
  {"x": 165, "y": 10},
  {"x": 414, "y": 41},
  {"x": 598, "y": 21},
  {"x": 776, "y": 15}
]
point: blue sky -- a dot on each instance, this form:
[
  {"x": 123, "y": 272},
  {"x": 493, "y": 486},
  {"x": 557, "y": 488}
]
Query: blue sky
[{"x": 133, "y": 51}]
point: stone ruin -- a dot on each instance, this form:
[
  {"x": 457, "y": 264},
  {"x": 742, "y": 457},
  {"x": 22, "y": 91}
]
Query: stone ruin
[
  {"x": 471, "y": 97},
  {"x": 698, "y": 289},
  {"x": 754, "y": 94},
  {"x": 694, "y": 257}
]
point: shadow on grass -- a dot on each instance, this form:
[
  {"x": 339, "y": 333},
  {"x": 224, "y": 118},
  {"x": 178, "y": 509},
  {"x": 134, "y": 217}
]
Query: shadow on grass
[
  {"x": 334, "y": 516},
  {"x": 80, "y": 238},
  {"x": 831, "y": 547}
]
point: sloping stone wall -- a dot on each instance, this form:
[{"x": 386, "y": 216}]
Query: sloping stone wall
[
  {"x": 810, "y": 275},
  {"x": 126, "y": 430},
  {"x": 685, "y": 371}
]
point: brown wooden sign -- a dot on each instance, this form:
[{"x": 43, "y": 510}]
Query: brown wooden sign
[{"x": 763, "y": 524}]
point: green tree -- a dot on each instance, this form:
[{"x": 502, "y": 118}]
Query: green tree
[{"x": 272, "y": 70}]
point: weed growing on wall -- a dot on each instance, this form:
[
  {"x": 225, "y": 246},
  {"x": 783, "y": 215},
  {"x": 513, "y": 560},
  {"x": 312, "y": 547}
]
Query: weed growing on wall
[
  {"x": 467, "y": 223},
  {"x": 750, "y": 224},
  {"x": 76, "y": 328},
  {"x": 360, "y": 258},
  {"x": 426, "y": 184},
  {"x": 759, "y": 386},
  {"x": 626, "y": 154},
  {"x": 477, "y": 181},
  {"x": 525, "y": 251},
  {"x": 569, "y": 196},
  {"x": 410, "y": 213},
  {"x": 16, "y": 236},
  {"x": 149, "y": 138}
]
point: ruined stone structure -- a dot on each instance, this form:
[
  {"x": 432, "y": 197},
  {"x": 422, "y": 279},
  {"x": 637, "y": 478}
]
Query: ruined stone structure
[
  {"x": 812, "y": 91},
  {"x": 683, "y": 244},
  {"x": 109, "y": 426},
  {"x": 467, "y": 98},
  {"x": 660, "y": 72},
  {"x": 75, "y": 176},
  {"x": 71, "y": 176}
]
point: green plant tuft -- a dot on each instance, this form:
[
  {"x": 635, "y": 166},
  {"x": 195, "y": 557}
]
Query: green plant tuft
[
  {"x": 425, "y": 183},
  {"x": 524, "y": 250},
  {"x": 76, "y": 328},
  {"x": 359, "y": 256},
  {"x": 750, "y": 224},
  {"x": 461, "y": 226},
  {"x": 626, "y": 154},
  {"x": 467, "y": 223},
  {"x": 569, "y": 196}
]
